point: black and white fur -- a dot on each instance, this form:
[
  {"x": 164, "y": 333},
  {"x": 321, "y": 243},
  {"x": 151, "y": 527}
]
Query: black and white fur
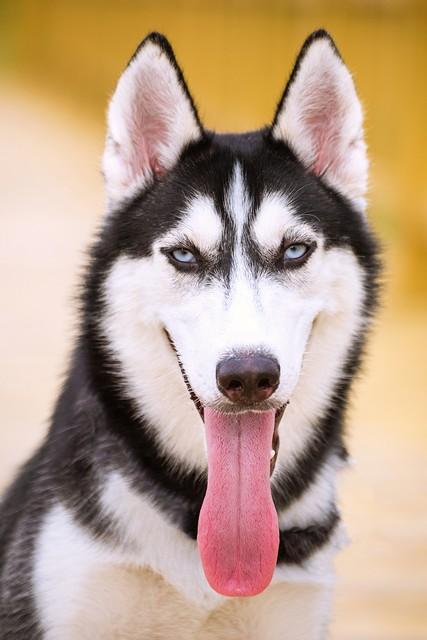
[{"x": 97, "y": 532}]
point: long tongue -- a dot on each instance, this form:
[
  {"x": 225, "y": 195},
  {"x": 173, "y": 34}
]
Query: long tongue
[{"x": 238, "y": 534}]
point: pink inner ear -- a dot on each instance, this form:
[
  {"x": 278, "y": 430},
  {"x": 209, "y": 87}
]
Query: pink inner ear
[
  {"x": 153, "y": 112},
  {"x": 323, "y": 122}
]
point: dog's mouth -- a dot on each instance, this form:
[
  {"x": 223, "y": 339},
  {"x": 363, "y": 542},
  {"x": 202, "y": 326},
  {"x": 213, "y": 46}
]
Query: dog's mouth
[
  {"x": 238, "y": 532},
  {"x": 279, "y": 411}
]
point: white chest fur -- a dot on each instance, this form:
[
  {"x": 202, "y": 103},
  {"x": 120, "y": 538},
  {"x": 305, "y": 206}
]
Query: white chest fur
[{"x": 151, "y": 583}]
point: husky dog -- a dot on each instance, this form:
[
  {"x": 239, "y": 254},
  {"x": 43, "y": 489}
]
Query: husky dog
[{"x": 186, "y": 487}]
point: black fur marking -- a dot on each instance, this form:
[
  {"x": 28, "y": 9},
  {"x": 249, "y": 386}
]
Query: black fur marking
[
  {"x": 297, "y": 545},
  {"x": 21, "y": 511}
]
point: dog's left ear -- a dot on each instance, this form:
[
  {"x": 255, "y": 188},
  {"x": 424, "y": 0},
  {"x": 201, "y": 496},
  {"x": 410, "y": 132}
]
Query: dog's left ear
[
  {"x": 320, "y": 118},
  {"x": 151, "y": 119}
]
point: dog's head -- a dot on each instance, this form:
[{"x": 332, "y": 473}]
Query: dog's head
[{"x": 234, "y": 268}]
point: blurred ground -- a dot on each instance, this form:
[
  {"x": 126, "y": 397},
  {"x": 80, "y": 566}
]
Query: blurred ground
[{"x": 51, "y": 201}]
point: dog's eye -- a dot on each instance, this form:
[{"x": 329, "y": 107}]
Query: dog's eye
[
  {"x": 183, "y": 255},
  {"x": 296, "y": 251},
  {"x": 182, "y": 259}
]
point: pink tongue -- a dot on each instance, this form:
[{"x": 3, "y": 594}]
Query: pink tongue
[{"x": 238, "y": 533}]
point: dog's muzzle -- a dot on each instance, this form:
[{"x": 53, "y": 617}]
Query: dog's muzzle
[{"x": 246, "y": 381}]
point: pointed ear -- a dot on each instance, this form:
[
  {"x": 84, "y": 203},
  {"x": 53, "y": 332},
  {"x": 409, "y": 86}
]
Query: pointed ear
[
  {"x": 151, "y": 119},
  {"x": 320, "y": 118}
]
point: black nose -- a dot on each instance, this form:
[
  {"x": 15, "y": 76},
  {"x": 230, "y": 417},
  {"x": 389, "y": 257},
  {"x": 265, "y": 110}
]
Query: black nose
[{"x": 248, "y": 378}]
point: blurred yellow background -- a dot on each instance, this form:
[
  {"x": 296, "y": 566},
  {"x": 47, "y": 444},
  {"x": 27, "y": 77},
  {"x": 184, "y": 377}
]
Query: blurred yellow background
[{"x": 59, "y": 61}]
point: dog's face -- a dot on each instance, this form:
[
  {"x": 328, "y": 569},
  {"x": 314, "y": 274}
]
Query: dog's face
[
  {"x": 239, "y": 273},
  {"x": 233, "y": 265}
]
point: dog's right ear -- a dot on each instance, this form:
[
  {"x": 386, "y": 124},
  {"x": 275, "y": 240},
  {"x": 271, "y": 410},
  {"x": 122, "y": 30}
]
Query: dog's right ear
[{"x": 151, "y": 119}]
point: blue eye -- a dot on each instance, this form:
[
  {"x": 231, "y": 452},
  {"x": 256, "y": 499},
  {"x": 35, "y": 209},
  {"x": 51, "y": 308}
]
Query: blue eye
[
  {"x": 296, "y": 251},
  {"x": 184, "y": 256}
]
